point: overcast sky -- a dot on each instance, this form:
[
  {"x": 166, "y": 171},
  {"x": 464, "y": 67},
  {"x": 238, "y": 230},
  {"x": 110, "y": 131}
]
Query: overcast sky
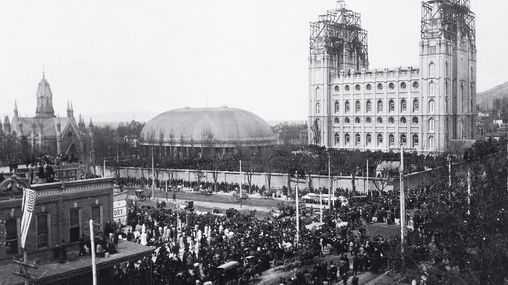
[{"x": 145, "y": 57}]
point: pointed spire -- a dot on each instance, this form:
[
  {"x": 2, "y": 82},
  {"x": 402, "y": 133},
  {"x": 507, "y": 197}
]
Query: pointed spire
[
  {"x": 90, "y": 125},
  {"x": 43, "y": 73},
  {"x": 72, "y": 107},
  {"x": 15, "y": 109},
  {"x": 69, "y": 111}
]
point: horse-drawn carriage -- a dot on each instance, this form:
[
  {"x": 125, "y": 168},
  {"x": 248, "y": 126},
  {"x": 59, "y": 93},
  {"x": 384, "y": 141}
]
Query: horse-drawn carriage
[{"x": 141, "y": 195}]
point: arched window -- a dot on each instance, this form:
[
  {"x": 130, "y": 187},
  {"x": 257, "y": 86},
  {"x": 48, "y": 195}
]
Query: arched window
[
  {"x": 403, "y": 85},
  {"x": 391, "y": 120},
  {"x": 416, "y": 85},
  {"x": 346, "y": 107},
  {"x": 462, "y": 90},
  {"x": 358, "y": 139},
  {"x": 403, "y": 139},
  {"x": 337, "y": 105},
  {"x": 432, "y": 143},
  {"x": 391, "y": 86},
  {"x": 347, "y": 87},
  {"x": 379, "y": 106},
  {"x": 379, "y": 120},
  {"x": 368, "y": 106},
  {"x": 379, "y": 139},
  {"x": 391, "y": 106},
  {"x": 391, "y": 140},
  {"x": 379, "y": 86},
  {"x": 317, "y": 93},
  {"x": 318, "y": 108},
  {"x": 337, "y": 121},
  {"x": 415, "y": 120},
  {"x": 403, "y": 105},
  {"x": 368, "y": 120},
  {"x": 347, "y": 139},
  {"x": 432, "y": 69},
  {"x": 358, "y": 87},
  {"x": 368, "y": 139},
  {"x": 347, "y": 121},
  {"x": 416, "y": 106},
  {"x": 357, "y": 107},
  {"x": 337, "y": 138},
  {"x": 431, "y": 125},
  {"x": 337, "y": 88},
  {"x": 368, "y": 87},
  {"x": 357, "y": 120},
  {"x": 416, "y": 140},
  {"x": 447, "y": 69},
  {"x": 432, "y": 106},
  {"x": 447, "y": 89},
  {"x": 403, "y": 120},
  {"x": 432, "y": 89}
]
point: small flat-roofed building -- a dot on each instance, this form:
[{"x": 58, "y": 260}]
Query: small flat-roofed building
[{"x": 62, "y": 213}]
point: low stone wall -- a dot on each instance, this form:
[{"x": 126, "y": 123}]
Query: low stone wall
[{"x": 278, "y": 180}]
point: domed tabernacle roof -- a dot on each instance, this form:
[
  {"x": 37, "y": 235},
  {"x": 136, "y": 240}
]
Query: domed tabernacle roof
[{"x": 204, "y": 126}]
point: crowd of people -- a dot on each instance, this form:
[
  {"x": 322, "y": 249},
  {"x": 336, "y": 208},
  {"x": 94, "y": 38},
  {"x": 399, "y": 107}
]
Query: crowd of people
[{"x": 189, "y": 247}]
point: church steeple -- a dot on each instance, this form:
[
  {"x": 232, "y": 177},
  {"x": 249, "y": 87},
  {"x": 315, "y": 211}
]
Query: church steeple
[
  {"x": 15, "y": 109},
  {"x": 44, "y": 100}
]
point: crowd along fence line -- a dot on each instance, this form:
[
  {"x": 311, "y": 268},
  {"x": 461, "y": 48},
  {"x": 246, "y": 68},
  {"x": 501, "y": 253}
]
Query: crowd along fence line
[{"x": 277, "y": 180}]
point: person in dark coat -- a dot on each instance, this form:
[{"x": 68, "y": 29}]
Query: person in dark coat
[{"x": 82, "y": 243}]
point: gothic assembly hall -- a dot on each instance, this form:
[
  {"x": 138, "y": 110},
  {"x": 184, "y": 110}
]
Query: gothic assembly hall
[{"x": 50, "y": 134}]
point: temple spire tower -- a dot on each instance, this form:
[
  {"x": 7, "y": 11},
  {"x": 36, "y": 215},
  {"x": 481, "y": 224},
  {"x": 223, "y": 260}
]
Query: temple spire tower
[
  {"x": 338, "y": 45},
  {"x": 44, "y": 100},
  {"x": 448, "y": 68}
]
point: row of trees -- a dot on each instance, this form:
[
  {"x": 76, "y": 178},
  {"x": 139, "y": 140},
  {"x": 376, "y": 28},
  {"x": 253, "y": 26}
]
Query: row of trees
[
  {"x": 121, "y": 143},
  {"x": 461, "y": 232},
  {"x": 14, "y": 150}
]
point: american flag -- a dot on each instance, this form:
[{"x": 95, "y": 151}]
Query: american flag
[{"x": 29, "y": 197}]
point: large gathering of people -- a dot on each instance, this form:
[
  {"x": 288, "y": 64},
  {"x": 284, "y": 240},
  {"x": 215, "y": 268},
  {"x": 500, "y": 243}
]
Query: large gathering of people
[{"x": 189, "y": 247}]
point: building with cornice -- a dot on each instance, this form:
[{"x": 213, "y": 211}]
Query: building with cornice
[
  {"x": 430, "y": 108},
  {"x": 49, "y": 134}
]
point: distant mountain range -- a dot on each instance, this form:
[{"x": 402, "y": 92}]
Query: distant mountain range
[
  {"x": 486, "y": 99},
  {"x": 115, "y": 118}
]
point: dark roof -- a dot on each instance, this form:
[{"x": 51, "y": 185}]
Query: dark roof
[{"x": 49, "y": 126}]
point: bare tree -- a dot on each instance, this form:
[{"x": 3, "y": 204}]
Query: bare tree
[{"x": 208, "y": 139}]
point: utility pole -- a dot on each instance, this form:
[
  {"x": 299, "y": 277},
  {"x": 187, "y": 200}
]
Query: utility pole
[
  {"x": 469, "y": 191},
  {"x": 402, "y": 204},
  {"x": 331, "y": 182},
  {"x": 297, "y": 213},
  {"x": 241, "y": 182},
  {"x": 153, "y": 177},
  {"x": 92, "y": 249},
  {"x": 321, "y": 205},
  {"x": 449, "y": 171},
  {"x": 368, "y": 191}
]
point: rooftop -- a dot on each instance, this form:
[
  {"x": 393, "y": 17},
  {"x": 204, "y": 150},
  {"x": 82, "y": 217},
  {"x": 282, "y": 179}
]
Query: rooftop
[{"x": 76, "y": 266}]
